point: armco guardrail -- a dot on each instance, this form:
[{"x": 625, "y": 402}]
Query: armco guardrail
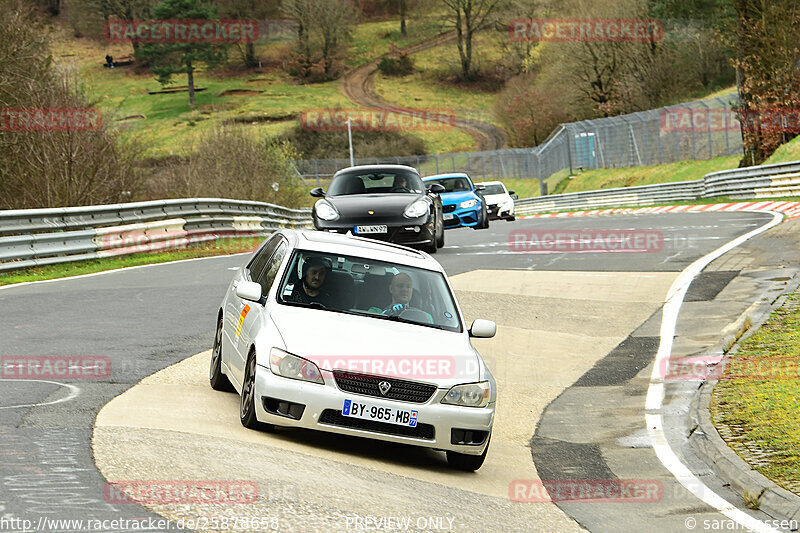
[
  {"x": 35, "y": 237},
  {"x": 765, "y": 181}
]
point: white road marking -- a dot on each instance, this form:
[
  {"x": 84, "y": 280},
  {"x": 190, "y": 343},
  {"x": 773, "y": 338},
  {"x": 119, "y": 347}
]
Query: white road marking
[
  {"x": 73, "y": 393},
  {"x": 117, "y": 270},
  {"x": 655, "y": 392}
]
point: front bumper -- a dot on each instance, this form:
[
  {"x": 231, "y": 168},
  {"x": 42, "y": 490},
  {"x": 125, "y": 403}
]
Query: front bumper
[
  {"x": 465, "y": 218},
  {"x": 319, "y": 399},
  {"x": 413, "y": 232},
  {"x": 500, "y": 211}
]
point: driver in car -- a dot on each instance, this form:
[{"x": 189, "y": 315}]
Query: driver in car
[
  {"x": 400, "y": 184},
  {"x": 401, "y": 288},
  {"x": 312, "y": 285}
]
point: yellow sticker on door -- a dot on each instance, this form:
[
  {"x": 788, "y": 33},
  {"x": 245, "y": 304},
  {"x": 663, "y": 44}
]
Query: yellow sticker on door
[{"x": 241, "y": 320}]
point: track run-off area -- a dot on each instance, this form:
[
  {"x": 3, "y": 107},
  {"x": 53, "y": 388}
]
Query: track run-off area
[{"x": 581, "y": 334}]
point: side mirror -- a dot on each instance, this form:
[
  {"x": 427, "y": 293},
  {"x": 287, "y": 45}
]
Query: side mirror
[
  {"x": 437, "y": 188},
  {"x": 249, "y": 290},
  {"x": 484, "y": 329},
  {"x": 512, "y": 193},
  {"x": 480, "y": 187},
  {"x": 318, "y": 192}
]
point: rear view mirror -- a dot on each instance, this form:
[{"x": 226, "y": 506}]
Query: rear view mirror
[
  {"x": 249, "y": 290},
  {"x": 318, "y": 192},
  {"x": 481, "y": 328}
]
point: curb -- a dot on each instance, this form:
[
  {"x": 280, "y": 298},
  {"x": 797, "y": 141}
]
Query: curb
[
  {"x": 790, "y": 210},
  {"x": 706, "y": 442}
]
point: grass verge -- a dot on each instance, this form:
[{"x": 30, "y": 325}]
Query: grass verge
[
  {"x": 225, "y": 246},
  {"x": 756, "y": 405}
]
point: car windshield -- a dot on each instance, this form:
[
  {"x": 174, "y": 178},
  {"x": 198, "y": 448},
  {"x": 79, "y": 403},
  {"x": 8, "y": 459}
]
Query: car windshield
[
  {"x": 452, "y": 184},
  {"x": 494, "y": 188},
  {"x": 367, "y": 287},
  {"x": 376, "y": 181}
]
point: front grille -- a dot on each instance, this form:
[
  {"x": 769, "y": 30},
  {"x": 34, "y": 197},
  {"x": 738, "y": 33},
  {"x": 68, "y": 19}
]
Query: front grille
[
  {"x": 335, "y": 418},
  {"x": 405, "y": 391},
  {"x": 448, "y": 208}
]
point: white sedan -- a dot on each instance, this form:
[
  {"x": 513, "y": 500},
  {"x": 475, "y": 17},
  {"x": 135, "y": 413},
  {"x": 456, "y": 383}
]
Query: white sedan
[{"x": 358, "y": 337}]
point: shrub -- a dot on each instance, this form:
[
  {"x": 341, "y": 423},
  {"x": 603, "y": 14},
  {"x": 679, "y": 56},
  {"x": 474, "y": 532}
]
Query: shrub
[
  {"x": 401, "y": 65},
  {"x": 312, "y": 144},
  {"x": 49, "y": 168},
  {"x": 231, "y": 162}
]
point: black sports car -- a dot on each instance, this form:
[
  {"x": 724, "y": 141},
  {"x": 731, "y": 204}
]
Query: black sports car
[{"x": 384, "y": 202}]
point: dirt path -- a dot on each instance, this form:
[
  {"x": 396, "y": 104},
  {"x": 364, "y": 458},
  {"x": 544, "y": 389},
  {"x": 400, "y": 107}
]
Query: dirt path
[{"x": 358, "y": 87}]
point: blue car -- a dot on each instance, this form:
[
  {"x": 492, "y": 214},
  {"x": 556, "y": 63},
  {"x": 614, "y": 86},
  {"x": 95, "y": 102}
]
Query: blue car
[{"x": 463, "y": 204}]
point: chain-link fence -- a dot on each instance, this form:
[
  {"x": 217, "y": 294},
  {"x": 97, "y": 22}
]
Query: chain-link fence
[{"x": 702, "y": 129}]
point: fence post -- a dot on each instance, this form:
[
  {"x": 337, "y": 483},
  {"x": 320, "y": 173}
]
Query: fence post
[
  {"x": 726, "y": 118},
  {"x": 569, "y": 149}
]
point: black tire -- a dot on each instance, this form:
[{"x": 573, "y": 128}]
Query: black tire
[
  {"x": 218, "y": 380},
  {"x": 247, "y": 405},
  {"x": 467, "y": 463},
  {"x": 512, "y": 218},
  {"x": 433, "y": 246},
  {"x": 440, "y": 240},
  {"x": 484, "y": 223}
]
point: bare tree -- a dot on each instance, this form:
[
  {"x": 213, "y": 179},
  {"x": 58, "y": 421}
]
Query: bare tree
[
  {"x": 764, "y": 39},
  {"x": 52, "y": 166},
  {"x": 323, "y": 27},
  {"x": 467, "y": 17}
]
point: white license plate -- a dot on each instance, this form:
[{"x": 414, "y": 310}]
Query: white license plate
[
  {"x": 372, "y": 229},
  {"x": 448, "y": 216},
  {"x": 389, "y": 415}
]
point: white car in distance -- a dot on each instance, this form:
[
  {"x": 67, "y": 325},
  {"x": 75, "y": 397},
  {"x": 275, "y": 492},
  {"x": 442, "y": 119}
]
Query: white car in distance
[
  {"x": 499, "y": 200},
  {"x": 354, "y": 336}
]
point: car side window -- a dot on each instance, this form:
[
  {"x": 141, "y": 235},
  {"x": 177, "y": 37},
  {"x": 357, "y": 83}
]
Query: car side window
[
  {"x": 267, "y": 276},
  {"x": 256, "y": 266}
]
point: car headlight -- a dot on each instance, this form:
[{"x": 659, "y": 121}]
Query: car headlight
[
  {"x": 416, "y": 210},
  {"x": 325, "y": 211},
  {"x": 469, "y": 395},
  {"x": 467, "y": 204},
  {"x": 291, "y": 366}
]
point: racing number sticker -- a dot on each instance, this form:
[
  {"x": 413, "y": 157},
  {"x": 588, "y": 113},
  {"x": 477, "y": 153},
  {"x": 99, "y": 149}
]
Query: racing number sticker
[{"x": 241, "y": 320}]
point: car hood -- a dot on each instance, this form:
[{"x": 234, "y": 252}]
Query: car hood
[
  {"x": 377, "y": 346},
  {"x": 457, "y": 197},
  {"x": 357, "y": 205},
  {"x": 496, "y": 198}
]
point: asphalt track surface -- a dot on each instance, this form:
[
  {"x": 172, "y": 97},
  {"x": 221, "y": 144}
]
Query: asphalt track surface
[{"x": 146, "y": 319}]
